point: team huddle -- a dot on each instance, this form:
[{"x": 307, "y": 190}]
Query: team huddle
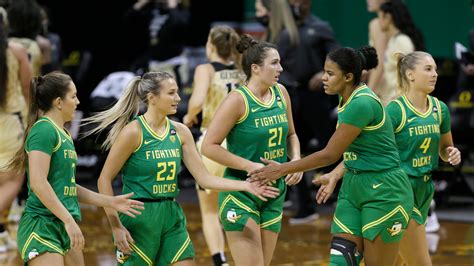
[{"x": 249, "y": 151}]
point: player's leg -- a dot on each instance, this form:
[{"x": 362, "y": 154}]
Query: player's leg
[
  {"x": 413, "y": 246},
  {"x": 211, "y": 225},
  {"x": 42, "y": 240},
  {"x": 270, "y": 222},
  {"x": 187, "y": 262},
  {"x": 269, "y": 241},
  {"x": 246, "y": 245},
  {"x": 385, "y": 218},
  {"x": 47, "y": 259},
  {"x": 74, "y": 257},
  {"x": 377, "y": 252},
  {"x": 347, "y": 244},
  {"x": 176, "y": 246},
  {"x": 346, "y": 249}
]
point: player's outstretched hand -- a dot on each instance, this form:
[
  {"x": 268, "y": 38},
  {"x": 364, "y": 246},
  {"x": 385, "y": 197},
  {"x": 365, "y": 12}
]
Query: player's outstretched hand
[
  {"x": 266, "y": 174},
  {"x": 293, "y": 179},
  {"x": 127, "y": 206},
  {"x": 328, "y": 183},
  {"x": 262, "y": 191}
]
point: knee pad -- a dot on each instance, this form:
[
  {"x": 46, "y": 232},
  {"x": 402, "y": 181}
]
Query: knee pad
[{"x": 344, "y": 252}]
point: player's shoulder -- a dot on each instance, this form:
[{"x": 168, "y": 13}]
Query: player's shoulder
[
  {"x": 132, "y": 129},
  {"x": 206, "y": 68},
  {"x": 42, "y": 125}
]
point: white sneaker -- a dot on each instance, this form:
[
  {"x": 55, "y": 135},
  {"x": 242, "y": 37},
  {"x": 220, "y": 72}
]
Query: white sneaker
[
  {"x": 433, "y": 240},
  {"x": 303, "y": 218},
  {"x": 432, "y": 224},
  {"x": 6, "y": 243},
  {"x": 287, "y": 204}
]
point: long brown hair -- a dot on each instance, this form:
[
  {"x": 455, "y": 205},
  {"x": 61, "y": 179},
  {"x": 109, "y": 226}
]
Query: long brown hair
[
  {"x": 225, "y": 38},
  {"x": 253, "y": 52},
  {"x": 43, "y": 90}
]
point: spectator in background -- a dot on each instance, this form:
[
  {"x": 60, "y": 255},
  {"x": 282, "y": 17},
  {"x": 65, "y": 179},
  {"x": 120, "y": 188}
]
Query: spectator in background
[
  {"x": 466, "y": 75},
  {"x": 302, "y": 63},
  {"x": 15, "y": 74},
  {"x": 166, "y": 22},
  {"x": 377, "y": 39},
  {"x": 276, "y": 16},
  {"x": 395, "y": 20},
  {"x": 24, "y": 18},
  {"x": 303, "y": 68},
  {"x": 50, "y": 44}
]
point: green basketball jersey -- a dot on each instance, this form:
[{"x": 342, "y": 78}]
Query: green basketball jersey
[
  {"x": 152, "y": 170},
  {"x": 374, "y": 149},
  {"x": 261, "y": 132},
  {"x": 417, "y": 134},
  {"x": 47, "y": 137}
]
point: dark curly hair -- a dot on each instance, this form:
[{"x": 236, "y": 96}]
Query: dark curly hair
[{"x": 354, "y": 61}]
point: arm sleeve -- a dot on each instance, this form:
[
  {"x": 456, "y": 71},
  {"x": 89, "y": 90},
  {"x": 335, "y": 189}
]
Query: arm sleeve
[
  {"x": 359, "y": 112},
  {"x": 42, "y": 137},
  {"x": 445, "y": 126},
  {"x": 395, "y": 114}
]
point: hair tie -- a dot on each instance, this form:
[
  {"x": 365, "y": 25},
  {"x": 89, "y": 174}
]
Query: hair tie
[{"x": 362, "y": 57}]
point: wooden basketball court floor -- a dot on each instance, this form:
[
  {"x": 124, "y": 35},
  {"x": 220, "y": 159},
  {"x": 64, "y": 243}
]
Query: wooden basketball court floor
[{"x": 297, "y": 245}]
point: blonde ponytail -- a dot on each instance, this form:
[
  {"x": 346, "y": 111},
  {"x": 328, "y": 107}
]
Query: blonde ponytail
[
  {"x": 126, "y": 107},
  {"x": 402, "y": 81},
  {"x": 119, "y": 115}
]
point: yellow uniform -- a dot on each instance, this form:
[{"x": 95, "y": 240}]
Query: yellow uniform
[
  {"x": 224, "y": 80},
  {"x": 13, "y": 114}
]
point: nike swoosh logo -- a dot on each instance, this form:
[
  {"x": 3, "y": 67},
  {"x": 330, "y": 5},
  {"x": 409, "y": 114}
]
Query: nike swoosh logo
[
  {"x": 147, "y": 141},
  {"x": 64, "y": 140},
  {"x": 411, "y": 119},
  {"x": 256, "y": 109},
  {"x": 375, "y": 186}
]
